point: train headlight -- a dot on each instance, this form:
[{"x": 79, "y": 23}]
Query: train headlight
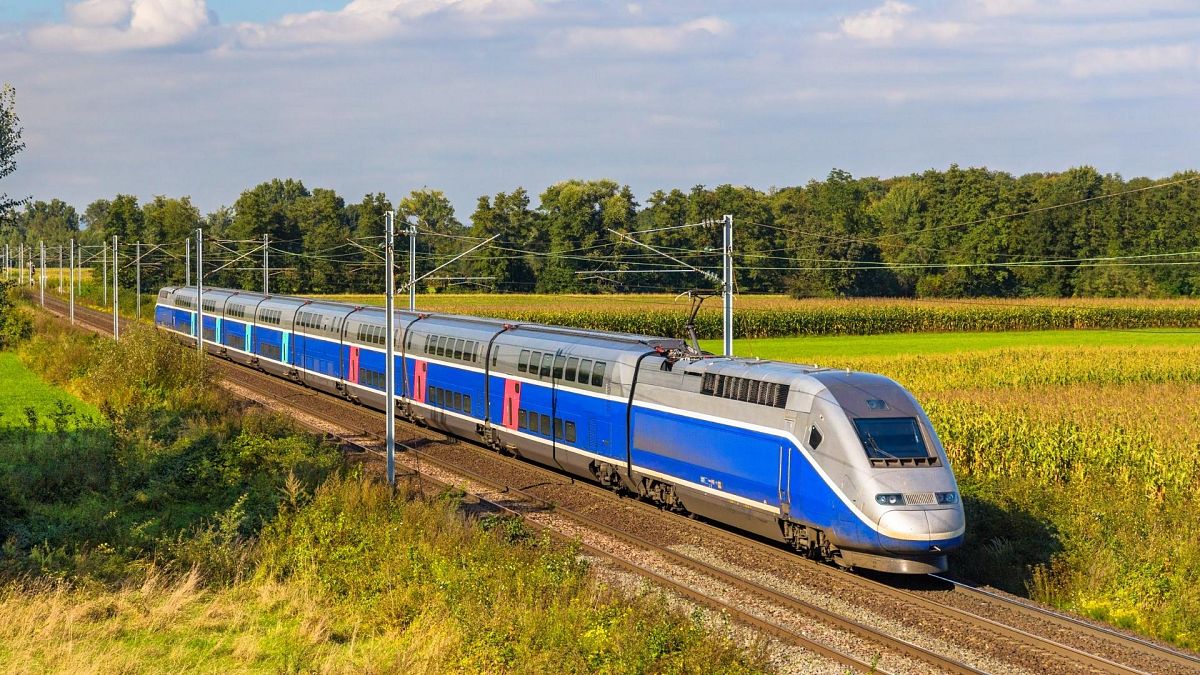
[
  {"x": 947, "y": 497},
  {"x": 890, "y": 499}
]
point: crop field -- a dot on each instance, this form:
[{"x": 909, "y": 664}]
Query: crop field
[{"x": 761, "y": 316}]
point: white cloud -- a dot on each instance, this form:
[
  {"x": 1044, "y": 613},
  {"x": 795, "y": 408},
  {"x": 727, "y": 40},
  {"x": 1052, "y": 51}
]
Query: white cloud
[
  {"x": 881, "y": 23},
  {"x": 114, "y": 25},
  {"x": 1081, "y": 9},
  {"x": 372, "y": 20},
  {"x": 647, "y": 39},
  {"x": 892, "y": 20},
  {"x": 1129, "y": 60}
]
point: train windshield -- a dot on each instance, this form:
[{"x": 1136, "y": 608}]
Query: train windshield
[{"x": 891, "y": 437}]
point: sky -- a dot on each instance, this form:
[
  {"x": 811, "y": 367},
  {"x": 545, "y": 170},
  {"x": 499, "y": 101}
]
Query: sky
[{"x": 207, "y": 98}]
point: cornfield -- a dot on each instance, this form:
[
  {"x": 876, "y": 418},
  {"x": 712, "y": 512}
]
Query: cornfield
[{"x": 779, "y": 316}]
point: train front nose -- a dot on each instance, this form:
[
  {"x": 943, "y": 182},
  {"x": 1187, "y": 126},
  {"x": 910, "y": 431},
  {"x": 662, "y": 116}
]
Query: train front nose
[{"x": 922, "y": 531}]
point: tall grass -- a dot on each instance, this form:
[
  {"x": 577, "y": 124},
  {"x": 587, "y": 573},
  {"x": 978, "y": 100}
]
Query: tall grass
[{"x": 179, "y": 532}]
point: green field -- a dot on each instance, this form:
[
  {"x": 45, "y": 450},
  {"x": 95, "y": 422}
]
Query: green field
[
  {"x": 21, "y": 389},
  {"x": 818, "y": 349}
]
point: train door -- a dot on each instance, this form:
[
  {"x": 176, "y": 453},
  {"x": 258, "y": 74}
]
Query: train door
[
  {"x": 512, "y": 403},
  {"x": 420, "y": 371},
  {"x": 352, "y": 370},
  {"x": 785, "y": 478}
]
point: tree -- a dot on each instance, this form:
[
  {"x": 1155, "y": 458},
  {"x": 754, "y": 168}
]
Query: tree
[
  {"x": 439, "y": 235},
  {"x": 10, "y": 145},
  {"x": 366, "y": 220},
  {"x": 507, "y": 259},
  {"x": 267, "y": 208},
  {"x": 321, "y": 219},
  {"x": 578, "y": 216}
]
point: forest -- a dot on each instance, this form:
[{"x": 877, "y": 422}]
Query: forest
[{"x": 959, "y": 232}]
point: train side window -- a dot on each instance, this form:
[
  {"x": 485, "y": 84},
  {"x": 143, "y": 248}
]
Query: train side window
[
  {"x": 547, "y": 360},
  {"x": 522, "y": 361},
  {"x": 570, "y": 432},
  {"x": 443, "y": 348},
  {"x": 458, "y": 400},
  {"x": 545, "y": 424},
  {"x": 585, "y": 371},
  {"x": 598, "y": 374},
  {"x": 429, "y": 394},
  {"x": 558, "y": 428},
  {"x": 458, "y": 348},
  {"x": 466, "y": 406},
  {"x": 522, "y": 419},
  {"x": 495, "y": 355},
  {"x": 558, "y": 366},
  {"x": 572, "y": 368},
  {"x": 814, "y": 437},
  {"x": 428, "y": 344}
]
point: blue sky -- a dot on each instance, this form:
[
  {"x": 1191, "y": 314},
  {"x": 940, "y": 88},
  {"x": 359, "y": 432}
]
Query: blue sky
[{"x": 188, "y": 97}]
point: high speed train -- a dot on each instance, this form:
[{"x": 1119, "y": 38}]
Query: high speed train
[{"x": 840, "y": 465}]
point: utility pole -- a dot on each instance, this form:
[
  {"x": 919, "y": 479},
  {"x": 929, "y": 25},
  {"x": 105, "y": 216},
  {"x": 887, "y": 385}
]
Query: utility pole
[
  {"x": 389, "y": 328},
  {"x": 104, "y": 264},
  {"x": 200, "y": 291},
  {"x": 266, "y": 265},
  {"x": 21, "y": 263},
  {"x": 6, "y": 262},
  {"x": 727, "y": 285},
  {"x": 187, "y": 264},
  {"x": 72, "y": 281},
  {"x": 412, "y": 266},
  {"x": 60, "y": 268},
  {"x": 116, "y": 291},
  {"x": 42, "y": 281},
  {"x": 138, "y": 283}
]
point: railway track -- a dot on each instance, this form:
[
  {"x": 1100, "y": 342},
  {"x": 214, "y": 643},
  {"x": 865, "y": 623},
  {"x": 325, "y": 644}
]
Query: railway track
[{"x": 1052, "y": 641}]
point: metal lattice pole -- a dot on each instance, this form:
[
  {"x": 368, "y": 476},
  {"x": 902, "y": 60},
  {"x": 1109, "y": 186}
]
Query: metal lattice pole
[
  {"x": 187, "y": 264},
  {"x": 60, "y": 268},
  {"x": 116, "y": 292},
  {"x": 138, "y": 283},
  {"x": 104, "y": 264},
  {"x": 727, "y": 285},
  {"x": 412, "y": 267},
  {"x": 72, "y": 281},
  {"x": 390, "y": 327},
  {"x": 42, "y": 280},
  {"x": 266, "y": 265},
  {"x": 200, "y": 291}
]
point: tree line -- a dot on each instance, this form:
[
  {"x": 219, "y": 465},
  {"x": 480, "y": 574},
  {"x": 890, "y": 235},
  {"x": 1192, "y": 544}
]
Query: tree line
[{"x": 953, "y": 233}]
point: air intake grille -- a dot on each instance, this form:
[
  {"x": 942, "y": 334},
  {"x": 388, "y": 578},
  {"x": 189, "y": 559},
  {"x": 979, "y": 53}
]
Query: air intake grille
[
  {"x": 745, "y": 389},
  {"x": 920, "y": 498}
]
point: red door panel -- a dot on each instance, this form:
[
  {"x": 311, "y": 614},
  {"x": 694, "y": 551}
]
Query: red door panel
[
  {"x": 420, "y": 368},
  {"x": 512, "y": 403},
  {"x": 352, "y": 376}
]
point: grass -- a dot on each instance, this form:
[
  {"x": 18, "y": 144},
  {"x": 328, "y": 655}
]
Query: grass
[
  {"x": 21, "y": 389},
  {"x": 358, "y": 581},
  {"x": 184, "y": 533}
]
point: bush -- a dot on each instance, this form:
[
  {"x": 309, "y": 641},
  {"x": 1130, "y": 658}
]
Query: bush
[{"x": 15, "y": 326}]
